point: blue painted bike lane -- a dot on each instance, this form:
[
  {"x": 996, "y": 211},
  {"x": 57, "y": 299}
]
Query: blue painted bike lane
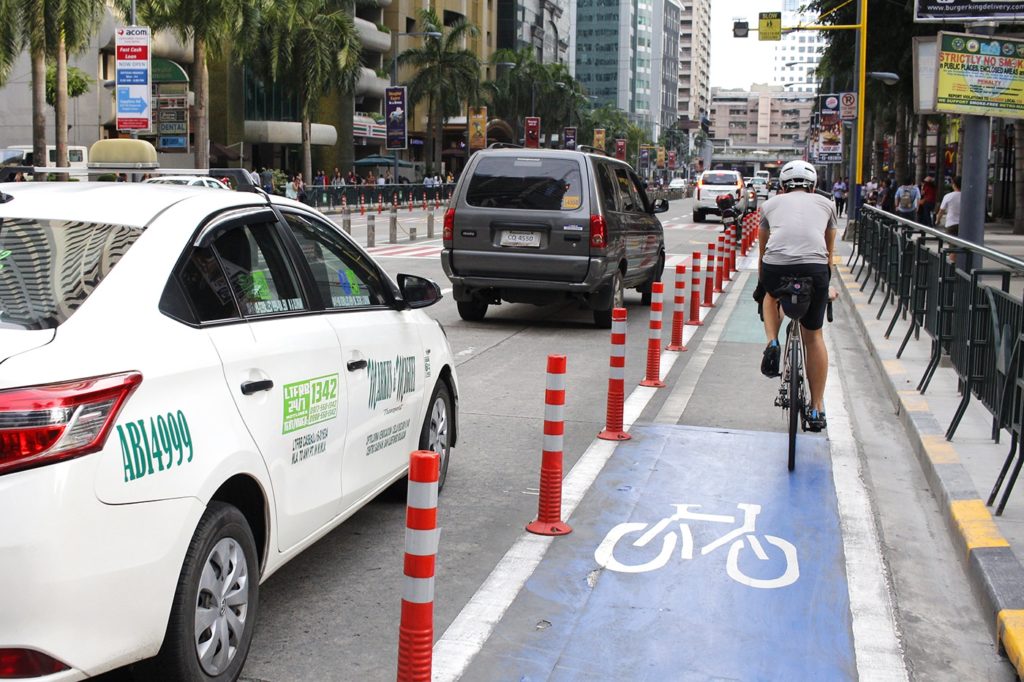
[{"x": 740, "y": 575}]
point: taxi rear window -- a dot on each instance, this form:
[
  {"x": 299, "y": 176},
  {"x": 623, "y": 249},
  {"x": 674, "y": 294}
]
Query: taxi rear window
[
  {"x": 48, "y": 268},
  {"x": 526, "y": 182}
]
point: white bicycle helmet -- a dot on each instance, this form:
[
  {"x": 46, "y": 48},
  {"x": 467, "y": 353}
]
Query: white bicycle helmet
[{"x": 798, "y": 173}]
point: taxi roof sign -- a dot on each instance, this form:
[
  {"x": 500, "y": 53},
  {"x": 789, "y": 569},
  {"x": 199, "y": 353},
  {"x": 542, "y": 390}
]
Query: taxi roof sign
[
  {"x": 769, "y": 26},
  {"x": 123, "y": 153}
]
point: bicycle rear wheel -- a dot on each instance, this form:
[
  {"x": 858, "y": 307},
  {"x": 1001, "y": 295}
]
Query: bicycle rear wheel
[{"x": 795, "y": 394}]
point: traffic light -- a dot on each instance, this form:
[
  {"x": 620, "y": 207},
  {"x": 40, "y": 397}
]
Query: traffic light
[{"x": 740, "y": 29}]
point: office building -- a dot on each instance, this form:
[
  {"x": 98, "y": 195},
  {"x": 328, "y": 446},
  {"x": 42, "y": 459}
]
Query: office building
[
  {"x": 798, "y": 54},
  {"x": 694, "y": 93},
  {"x": 665, "y": 76},
  {"x": 759, "y": 128},
  {"x": 545, "y": 26}
]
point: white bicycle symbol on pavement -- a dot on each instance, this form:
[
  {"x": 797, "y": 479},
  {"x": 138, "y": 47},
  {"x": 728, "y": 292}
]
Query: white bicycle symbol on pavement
[{"x": 745, "y": 533}]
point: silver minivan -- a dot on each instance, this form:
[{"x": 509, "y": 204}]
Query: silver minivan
[{"x": 542, "y": 225}]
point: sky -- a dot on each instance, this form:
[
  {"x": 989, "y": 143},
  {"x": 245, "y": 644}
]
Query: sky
[{"x": 738, "y": 62}]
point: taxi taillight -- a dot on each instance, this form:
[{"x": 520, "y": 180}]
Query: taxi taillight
[
  {"x": 18, "y": 664},
  {"x": 448, "y": 233},
  {"x": 598, "y": 232},
  {"x": 50, "y": 423}
]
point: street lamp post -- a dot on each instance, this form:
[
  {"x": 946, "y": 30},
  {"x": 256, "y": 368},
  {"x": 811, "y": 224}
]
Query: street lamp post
[{"x": 394, "y": 77}]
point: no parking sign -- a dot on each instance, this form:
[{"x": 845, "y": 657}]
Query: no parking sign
[{"x": 848, "y": 106}]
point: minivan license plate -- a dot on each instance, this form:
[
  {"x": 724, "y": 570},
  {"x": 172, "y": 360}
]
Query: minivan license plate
[{"x": 513, "y": 238}]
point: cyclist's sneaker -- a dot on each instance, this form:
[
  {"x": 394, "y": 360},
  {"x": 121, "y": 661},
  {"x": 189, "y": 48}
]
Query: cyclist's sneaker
[
  {"x": 815, "y": 420},
  {"x": 770, "y": 360}
]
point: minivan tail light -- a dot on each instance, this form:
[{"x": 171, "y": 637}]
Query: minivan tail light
[
  {"x": 448, "y": 234},
  {"x": 598, "y": 232},
  {"x": 16, "y": 664},
  {"x": 41, "y": 425}
]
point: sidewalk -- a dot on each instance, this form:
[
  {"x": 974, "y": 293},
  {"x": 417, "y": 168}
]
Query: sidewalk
[{"x": 962, "y": 472}]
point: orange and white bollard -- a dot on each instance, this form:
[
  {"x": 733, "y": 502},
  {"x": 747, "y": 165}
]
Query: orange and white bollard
[
  {"x": 362, "y": 205},
  {"x": 380, "y": 204},
  {"x": 616, "y": 379},
  {"x": 722, "y": 274},
  {"x": 549, "y": 504},
  {"x": 416, "y": 630},
  {"x": 410, "y": 202},
  {"x": 424, "y": 201},
  {"x": 709, "y": 280},
  {"x": 676, "y": 344},
  {"x": 694, "y": 320},
  {"x": 653, "y": 377}
]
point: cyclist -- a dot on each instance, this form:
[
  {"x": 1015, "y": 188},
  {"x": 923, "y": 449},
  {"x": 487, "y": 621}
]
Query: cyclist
[{"x": 796, "y": 239}]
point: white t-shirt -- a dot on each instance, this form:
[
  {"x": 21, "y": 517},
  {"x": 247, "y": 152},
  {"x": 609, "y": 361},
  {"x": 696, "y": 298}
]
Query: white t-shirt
[
  {"x": 797, "y": 222},
  {"x": 951, "y": 205}
]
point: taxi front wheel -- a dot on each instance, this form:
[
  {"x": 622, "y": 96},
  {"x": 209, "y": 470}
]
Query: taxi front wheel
[
  {"x": 436, "y": 434},
  {"x": 214, "y": 608}
]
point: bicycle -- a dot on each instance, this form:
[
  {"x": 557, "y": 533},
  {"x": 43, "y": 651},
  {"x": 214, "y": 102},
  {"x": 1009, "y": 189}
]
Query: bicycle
[
  {"x": 740, "y": 536},
  {"x": 792, "y": 395}
]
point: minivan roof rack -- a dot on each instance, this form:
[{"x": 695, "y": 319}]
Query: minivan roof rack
[
  {"x": 504, "y": 145},
  {"x": 589, "y": 148}
]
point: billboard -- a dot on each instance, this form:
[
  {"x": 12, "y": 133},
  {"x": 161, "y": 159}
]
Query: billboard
[
  {"x": 532, "y": 140},
  {"x": 132, "y": 78},
  {"x": 620, "y": 149},
  {"x": 830, "y": 131},
  {"x": 671, "y": 160},
  {"x": 599, "y": 138},
  {"x": 661, "y": 157},
  {"x": 395, "y": 118},
  {"x": 477, "y": 128},
  {"x": 959, "y": 11},
  {"x": 979, "y": 75},
  {"x": 645, "y": 158}
]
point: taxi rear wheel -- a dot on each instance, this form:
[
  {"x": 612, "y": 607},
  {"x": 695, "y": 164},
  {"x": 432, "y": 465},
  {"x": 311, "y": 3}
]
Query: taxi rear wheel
[
  {"x": 436, "y": 434},
  {"x": 214, "y": 610}
]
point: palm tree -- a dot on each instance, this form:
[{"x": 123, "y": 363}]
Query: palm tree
[
  {"x": 447, "y": 74},
  {"x": 211, "y": 25},
  {"x": 516, "y": 88},
  {"x": 71, "y": 31},
  {"x": 10, "y": 38},
  {"x": 310, "y": 47}
]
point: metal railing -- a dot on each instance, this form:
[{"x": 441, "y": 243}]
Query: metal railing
[
  {"x": 330, "y": 198},
  {"x": 970, "y": 315}
]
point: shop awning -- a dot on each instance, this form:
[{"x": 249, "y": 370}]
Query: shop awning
[{"x": 289, "y": 132}]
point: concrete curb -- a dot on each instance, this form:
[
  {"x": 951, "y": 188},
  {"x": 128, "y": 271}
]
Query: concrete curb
[{"x": 996, "y": 575}]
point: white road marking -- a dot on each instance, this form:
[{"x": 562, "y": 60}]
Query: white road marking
[
  {"x": 469, "y": 631},
  {"x": 875, "y": 641}
]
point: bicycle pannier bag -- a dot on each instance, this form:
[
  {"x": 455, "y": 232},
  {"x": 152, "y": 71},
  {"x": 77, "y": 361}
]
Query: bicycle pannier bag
[{"x": 795, "y": 296}]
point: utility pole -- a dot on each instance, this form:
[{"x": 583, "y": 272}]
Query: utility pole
[{"x": 974, "y": 193}]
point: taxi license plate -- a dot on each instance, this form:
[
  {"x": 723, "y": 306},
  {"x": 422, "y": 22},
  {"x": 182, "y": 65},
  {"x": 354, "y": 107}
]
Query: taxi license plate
[{"x": 514, "y": 238}]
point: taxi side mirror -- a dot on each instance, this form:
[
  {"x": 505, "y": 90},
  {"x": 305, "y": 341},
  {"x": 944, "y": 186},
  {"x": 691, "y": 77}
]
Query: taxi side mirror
[{"x": 418, "y": 292}]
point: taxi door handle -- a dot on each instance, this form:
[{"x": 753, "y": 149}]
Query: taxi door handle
[
  {"x": 353, "y": 365},
  {"x": 250, "y": 387}
]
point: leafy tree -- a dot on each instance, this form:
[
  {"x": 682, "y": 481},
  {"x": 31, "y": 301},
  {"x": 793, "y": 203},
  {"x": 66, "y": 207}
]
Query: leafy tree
[
  {"x": 78, "y": 83},
  {"x": 310, "y": 47},
  {"x": 212, "y": 26},
  {"x": 447, "y": 74}
]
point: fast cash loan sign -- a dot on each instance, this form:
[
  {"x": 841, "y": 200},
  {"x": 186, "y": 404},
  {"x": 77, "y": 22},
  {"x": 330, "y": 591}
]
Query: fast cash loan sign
[{"x": 133, "y": 69}]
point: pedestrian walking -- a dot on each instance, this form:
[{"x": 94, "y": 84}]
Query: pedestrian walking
[
  {"x": 839, "y": 189},
  {"x": 927, "y": 208},
  {"x": 907, "y": 200},
  {"x": 949, "y": 210}
]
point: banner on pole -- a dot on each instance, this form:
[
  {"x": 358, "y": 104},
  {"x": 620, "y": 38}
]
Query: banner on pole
[
  {"x": 395, "y": 114},
  {"x": 620, "y": 149},
  {"x": 830, "y": 136},
  {"x": 132, "y": 68},
  {"x": 569, "y": 136},
  {"x": 477, "y": 128},
  {"x": 671, "y": 160},
  {"x": 661, "y": 157},
  {"x": 980, "y": 75},
  {"x": 599, "y": 140},
  {"x": 645, "y": 158},
  {"x": 532, "y": 132}
]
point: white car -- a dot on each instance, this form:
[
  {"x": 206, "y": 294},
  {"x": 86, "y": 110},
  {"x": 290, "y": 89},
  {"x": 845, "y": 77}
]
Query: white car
[
  {"x": 677, "y": 183},
  {"x": 710, "y": 185},
  {"x": 195, "y": 386},
  {"x": 188, "y": 181}
]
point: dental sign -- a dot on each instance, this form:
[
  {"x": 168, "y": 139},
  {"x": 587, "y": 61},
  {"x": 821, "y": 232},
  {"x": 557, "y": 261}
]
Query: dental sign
[{"x": 132, "y": 80}]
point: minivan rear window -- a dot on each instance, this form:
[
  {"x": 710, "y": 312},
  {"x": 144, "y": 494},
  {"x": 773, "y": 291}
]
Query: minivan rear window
[
  {"x": 48, "y": 268},
  {"x": 526, "y": 182},
  {"x": 719, "y": 179}
]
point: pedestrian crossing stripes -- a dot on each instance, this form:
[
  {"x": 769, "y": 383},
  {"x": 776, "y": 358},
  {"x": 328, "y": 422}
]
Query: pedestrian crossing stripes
[{"x": 427, "y": 250}]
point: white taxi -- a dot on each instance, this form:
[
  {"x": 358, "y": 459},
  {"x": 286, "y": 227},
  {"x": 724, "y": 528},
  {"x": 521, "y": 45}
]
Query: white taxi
[{"x": 194, "y": 387}]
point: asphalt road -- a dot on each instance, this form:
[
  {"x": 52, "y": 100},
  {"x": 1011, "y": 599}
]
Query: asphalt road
[{"x": 332, "y": 613}]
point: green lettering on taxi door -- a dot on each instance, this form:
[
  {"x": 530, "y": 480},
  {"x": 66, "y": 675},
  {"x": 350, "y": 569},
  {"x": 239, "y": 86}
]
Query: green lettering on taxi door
[
  {"x": 126, "y": 458},
  {"x": 138, "y": 454}
]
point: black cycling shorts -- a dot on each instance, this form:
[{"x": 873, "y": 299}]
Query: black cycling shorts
[{"x": 771, "y": 279}]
